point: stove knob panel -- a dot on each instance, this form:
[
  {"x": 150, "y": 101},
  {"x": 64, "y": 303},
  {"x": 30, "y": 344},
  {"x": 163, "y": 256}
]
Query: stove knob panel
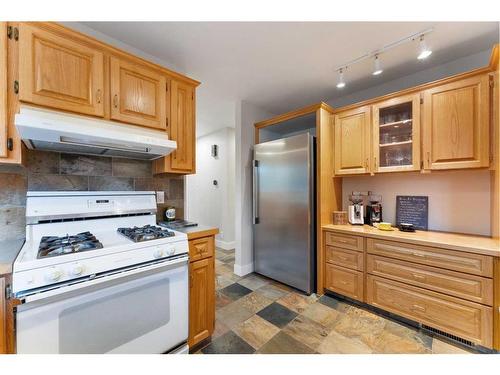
[
  {"x": 53, "y": 275},
  {"x": 77, "y": 270},
  {"x": 158, "y": 253}
]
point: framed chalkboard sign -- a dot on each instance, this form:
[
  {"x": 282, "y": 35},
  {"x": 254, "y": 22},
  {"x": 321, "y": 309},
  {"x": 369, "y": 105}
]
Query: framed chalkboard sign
[{"x": 412, "y": 209}]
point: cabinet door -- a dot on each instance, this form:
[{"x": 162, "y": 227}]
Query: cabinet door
[
  {"x": 396, "y": 134},
  {"x": 60, "y": 72},
  {"x": 201, "y": 300},
  {"x": 182, "y": 129},
  {"x": 456, "y": 124},
  {"x": 3, "y": 91},
  {"x": 352, "y": 141},
  {"x": 138, "y": 95}
]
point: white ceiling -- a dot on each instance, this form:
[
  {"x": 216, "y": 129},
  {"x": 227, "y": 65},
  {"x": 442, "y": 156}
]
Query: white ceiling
[{"x": 285, "y": 65}]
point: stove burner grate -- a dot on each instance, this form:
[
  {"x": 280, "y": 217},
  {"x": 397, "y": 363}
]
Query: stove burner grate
[
  {"x": 53, "y": 245},
  {"x": 145, "y": 233}
]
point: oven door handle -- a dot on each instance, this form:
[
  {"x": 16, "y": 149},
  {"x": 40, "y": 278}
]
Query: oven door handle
[{"x": 102, "y": 280}]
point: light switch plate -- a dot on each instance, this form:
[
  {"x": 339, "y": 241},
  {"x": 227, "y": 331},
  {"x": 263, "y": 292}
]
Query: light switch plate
[{"x": 160, "y": 197}]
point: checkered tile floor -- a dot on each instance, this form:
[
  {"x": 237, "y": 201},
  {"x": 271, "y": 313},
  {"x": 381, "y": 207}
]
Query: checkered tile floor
[{"x": 257, "y": 315}]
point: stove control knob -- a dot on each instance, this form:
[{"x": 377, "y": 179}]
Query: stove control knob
[
  {"x": 53, "y": 275},
  {"x": 77, "y": 270},
  {"x": 158, "y": 253},
  {"x": 171, "y": 251}
]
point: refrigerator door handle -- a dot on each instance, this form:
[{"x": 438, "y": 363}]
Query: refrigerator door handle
[{"x": 255, "y": 184}]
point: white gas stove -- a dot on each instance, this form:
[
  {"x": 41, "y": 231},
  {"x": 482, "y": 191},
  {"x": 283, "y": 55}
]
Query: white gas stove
[{"x": 99, "y": 254}]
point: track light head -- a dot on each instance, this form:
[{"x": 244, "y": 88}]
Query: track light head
[
  {"x": 377, "y": 68},
  {"x": 341, "y": 82},
  {"x": 424, "y": 51}
]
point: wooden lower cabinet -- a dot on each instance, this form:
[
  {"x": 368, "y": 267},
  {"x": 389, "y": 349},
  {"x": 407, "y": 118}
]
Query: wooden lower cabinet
[
  {"x": 201, "y": 295},
  {"x": 353, "y": 260},
  {"x": 461, "y": 285},
  {"x": 476, "y": 264},
  {"x": 465, "y": 319},
  {"x": 3, "y": 315},
  {"x": 344, "y": 281},
  {"x": 452, "y": 291}
]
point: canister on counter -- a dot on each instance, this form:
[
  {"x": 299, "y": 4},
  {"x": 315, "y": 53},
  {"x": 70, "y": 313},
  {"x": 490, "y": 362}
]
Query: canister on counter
[{"x": 340, "y": 217}]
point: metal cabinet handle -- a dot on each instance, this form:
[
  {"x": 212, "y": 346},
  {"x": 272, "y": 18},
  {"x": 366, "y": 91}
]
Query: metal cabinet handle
[
  {"x": 417, "y": 276},
  {"x": 115, "y": 100},
  {"x": 366, "y": 164},
  {"x": 417, "y": 308},
  {"x": 418, "y": 255},
  {"x": 98, "y": 96},
  {"x": 428, "y": 159},
  {"x": 375, "y": 163}
]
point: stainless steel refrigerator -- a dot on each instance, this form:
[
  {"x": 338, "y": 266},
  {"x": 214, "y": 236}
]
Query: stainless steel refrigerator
[{"x": 284, "y": 211}]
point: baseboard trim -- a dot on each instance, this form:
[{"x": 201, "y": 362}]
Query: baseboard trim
[
  {"x": 225, "y": 245},
  {"x": 243, "y": 270}
]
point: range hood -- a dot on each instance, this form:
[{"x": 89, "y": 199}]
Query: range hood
[{"x": 42, "y": 129}]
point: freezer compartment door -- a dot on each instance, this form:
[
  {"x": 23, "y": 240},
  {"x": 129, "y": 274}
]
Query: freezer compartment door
[{"x": 284, "y": 211}]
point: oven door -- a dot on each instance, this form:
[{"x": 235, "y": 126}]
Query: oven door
[{"x": 142, "y": 310}]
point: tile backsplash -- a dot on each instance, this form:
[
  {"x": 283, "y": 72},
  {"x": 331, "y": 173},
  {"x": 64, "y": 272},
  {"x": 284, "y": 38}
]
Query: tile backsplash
[{"x": 56, "y": 171}]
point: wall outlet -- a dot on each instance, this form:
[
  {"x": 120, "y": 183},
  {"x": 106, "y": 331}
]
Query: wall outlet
[{"x": 160, "y": 197}]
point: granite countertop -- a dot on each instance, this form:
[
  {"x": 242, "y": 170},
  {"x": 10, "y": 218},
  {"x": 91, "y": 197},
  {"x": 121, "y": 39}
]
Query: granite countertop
[
  {"x": 8, "y": 253},
  {"x": 199, "y": 231},
  {"x": 452, "y": 241}
]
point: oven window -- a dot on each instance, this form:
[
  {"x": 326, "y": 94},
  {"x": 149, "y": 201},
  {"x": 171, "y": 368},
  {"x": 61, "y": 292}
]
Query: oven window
[{"x": 108, "y": 322}]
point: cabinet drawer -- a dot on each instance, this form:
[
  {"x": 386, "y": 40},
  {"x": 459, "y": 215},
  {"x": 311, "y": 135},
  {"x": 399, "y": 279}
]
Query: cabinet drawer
[
  {"x": 465, "y": 319},
  {"x": 344, "y": 241},
  {"x": 475, "y": 264},
  {"x": 473, "y": 288},
  {"x": 344, "y": 281},
  {"x": 345, "y": 258},
  {"x": 201, "y": 248}
]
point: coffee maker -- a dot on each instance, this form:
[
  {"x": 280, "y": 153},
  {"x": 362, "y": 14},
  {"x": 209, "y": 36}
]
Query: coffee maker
[
  {"x": 373, "y": 210},
  {"x": 356, "y": 210}
]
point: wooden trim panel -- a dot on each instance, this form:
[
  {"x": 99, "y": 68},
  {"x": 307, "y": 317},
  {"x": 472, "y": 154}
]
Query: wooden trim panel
[
  {"x": 463, "y": 262},
  {"x": 470, "y": 287},
  {"x": 344, "y": 281},
  {"x": 355, "y": 243},
  {"x": 462, "y": 318},
  {"x": 293, "y": 114}
]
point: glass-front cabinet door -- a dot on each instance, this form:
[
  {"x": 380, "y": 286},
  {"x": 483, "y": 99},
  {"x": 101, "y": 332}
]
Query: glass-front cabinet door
[{"x": 396, "y": 134}]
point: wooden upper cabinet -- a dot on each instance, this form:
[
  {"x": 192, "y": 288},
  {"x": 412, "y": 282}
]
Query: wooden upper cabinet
[
  {"x": 3, "y": 91},
  {"x": 352, "y": 141},
  {"x": 60, "y": 72},
  {"x": 182, "y": 129},
  {"x": 183, "y": 126},
  {"x": 456, "y": 124},
  {"x": 138, "y": 94},
  {"x": 396, "y": 134}
]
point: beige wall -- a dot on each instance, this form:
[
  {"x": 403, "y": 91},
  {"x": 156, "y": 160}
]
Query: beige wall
[{"x": 459, "y": 201}]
